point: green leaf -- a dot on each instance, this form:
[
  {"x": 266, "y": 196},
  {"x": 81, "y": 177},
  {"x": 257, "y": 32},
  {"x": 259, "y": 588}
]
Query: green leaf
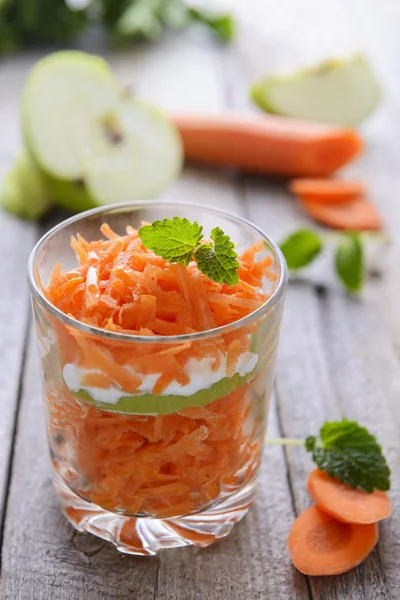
[
  {"x": 175, "y": 240},
  {"x": 350, "y": 453},
  {"x": 310, "y": 443},
  {"x": 300, "y": 248},
  {"x": 218, "y": 261},
  {"x": 140, "y": 20},
  {"x": 174, "y": 14},
  {"x": 223, "y": 25},
  {"x": 349, "y": 263}
]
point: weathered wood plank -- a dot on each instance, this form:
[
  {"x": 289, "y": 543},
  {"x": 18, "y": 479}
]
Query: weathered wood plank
[
  {"x": 365, "y": 372},
  {"x": 16, "y": 240},
  {"x": 306, "y": 397},
  {"x": 365, "y": 336}
]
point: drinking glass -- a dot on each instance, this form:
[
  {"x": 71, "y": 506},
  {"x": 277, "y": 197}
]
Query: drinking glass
[{"x": 155, "y": 470}]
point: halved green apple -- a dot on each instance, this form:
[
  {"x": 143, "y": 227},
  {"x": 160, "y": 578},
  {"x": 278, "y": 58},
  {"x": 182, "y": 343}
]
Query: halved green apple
[
  {"x": 94, "y": 142},
  {"x": 341, "y": 92},
  {"x": 163, "y": 405},
  {"x": 23, "y": 192}
]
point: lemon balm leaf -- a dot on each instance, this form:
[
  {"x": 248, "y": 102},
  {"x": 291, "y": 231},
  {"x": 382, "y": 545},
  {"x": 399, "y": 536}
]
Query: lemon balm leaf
[
  {"x": 350, "y": 453},
  {"x": 173, "y": 239},
  {"x": 223, "y": 25},
  {"x": 349, "y": 263},
  {"x": 178, "y": 240},
  {"x": 217, "y": 260},
  {"x": 301, "y": 248}
]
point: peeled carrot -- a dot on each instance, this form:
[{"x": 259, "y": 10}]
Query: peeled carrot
[
  {"x": 357, "y": 215},
  {"x": 321, "y": 545},
  {"x": 344, "y": 503},
  {"x": 326, "y": 191},
  {"x": 268, "y": 144}
]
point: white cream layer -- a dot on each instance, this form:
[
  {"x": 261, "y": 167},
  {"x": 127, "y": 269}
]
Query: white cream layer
[{"x": 200, "y": 373}]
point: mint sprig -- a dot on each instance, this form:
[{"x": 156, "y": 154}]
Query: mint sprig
[
  {"x": 218, "y": 260},
  {"x": 179, "y": 241},
  {"x": 347, "y": 451},
  {"x": 301, "y": 248},
  {"x": 175, "y": 240},
  {"x": 350, "y": 453}
]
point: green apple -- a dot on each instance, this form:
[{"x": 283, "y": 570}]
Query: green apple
[
  {"x": 341, "y": 92},
  {"x": 94, "y": 142},
  {"x": 23, "y": 192},
  {"x": 156, "y": 404}
]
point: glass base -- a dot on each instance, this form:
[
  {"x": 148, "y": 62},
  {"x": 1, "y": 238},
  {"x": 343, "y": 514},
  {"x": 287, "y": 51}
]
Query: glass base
[{"x": 147, "y": 536}]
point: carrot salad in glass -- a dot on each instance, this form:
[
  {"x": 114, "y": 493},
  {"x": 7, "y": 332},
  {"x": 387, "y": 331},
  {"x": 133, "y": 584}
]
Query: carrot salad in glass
[{"x": 158, "y": 350}]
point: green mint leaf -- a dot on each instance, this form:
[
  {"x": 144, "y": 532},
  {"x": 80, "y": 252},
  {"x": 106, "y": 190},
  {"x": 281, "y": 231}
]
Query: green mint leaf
[
  {"x": 223, "y": 25},
  {"x": 350, "y": 453},
  {"x": 310, "y": 443},
  {"x": 175, "y": 240},
  {"x": 218, "y": 260},
  {"x": 300, "y": 248},
  {"x": 174, "y": 14},
  {"x": 349, "y": 263}
]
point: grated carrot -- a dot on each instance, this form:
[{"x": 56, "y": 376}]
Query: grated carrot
[{"x": 160, "y": 465}]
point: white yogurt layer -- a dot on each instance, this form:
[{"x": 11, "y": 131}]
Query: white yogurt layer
[{"x": 200, "y": 373}]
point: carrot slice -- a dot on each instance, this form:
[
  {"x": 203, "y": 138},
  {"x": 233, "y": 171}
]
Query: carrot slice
[
  {"x": 321, "y": 545},
  {"x": 346, "y": 504},
  {"x": 357, "y": 215},
  {"x": 326, "y": 191}
]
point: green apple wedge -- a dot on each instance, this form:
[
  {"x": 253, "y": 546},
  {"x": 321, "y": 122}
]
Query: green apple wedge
[
  {"x": 94, "y": 142},
  {"x": 339, "y": 92},
  {"x": 23, "y": 192}
]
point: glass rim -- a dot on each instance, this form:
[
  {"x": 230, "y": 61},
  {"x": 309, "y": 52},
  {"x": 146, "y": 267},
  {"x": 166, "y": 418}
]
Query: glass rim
[{"x": 37, "y": 294}]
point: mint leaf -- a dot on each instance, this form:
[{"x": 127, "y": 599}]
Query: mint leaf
[
  {"x": 310, "y": 443},
  {"x": 300, "y": 248},
  {"x": 178, "y": 240},
  {"x": 175, "y": 240},
  {"x": 349, "y": 263},
  {"x": 139, "y": 20},
  {"x": 350, "y": 453},
  {"x": 223, "y": 25},
  {"x": 218, "y": 260}
]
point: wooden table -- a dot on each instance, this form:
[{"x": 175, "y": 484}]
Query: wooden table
[{"x": 338, "y": 355}]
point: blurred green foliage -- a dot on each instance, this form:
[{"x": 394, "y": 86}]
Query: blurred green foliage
[{"x": 26, "y": 22}]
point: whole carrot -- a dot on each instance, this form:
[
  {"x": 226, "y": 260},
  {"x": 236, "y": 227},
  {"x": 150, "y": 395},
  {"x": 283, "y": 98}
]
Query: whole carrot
[{"x": 267, "y": 144}]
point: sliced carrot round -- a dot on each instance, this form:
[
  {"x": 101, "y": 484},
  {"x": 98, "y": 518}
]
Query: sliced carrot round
[
  {"x": 326, "y": 191},
  {"x": 357, "y": 215},
  {"x": 344, "y": 503},
  {"x": 321, "y": 545}
]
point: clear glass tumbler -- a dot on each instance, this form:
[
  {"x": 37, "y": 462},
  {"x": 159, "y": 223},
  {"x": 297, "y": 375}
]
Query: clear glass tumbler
[{"x": 154, "y": 471}]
